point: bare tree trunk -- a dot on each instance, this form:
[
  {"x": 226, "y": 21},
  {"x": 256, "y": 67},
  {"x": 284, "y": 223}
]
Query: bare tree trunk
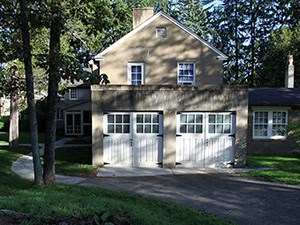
[
  {"x": 49, "y": 157},
  {"x": 14, "y": 121},
  {"x": 38, "y": 177}
]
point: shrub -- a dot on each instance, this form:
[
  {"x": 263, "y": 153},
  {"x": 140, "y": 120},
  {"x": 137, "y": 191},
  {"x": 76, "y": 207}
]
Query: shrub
[
  {"x": 294, "y": 132},
  {"x": 4, "y": 123}
]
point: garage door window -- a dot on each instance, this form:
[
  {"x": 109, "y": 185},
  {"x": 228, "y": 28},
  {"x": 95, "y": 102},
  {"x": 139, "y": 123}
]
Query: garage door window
[
  {"x": 191, "y": 123},
  {"x": 147, "y": 123},
  {"x": 118, "y": 123},
  {"x": 219, "y": 123}
]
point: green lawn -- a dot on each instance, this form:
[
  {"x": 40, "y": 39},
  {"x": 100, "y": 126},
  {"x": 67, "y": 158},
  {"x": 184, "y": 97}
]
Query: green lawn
[
  {"x": 287, "y": 168},
  {"x": 24, "y": 138},
  {"x": 65, "y": 202},
  {"x": 74, "y": 161}
]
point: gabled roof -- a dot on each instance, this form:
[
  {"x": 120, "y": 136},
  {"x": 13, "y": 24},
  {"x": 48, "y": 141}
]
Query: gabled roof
[
  {"x": 221, "y": 56},
  {"x": 274, "y": 96}
]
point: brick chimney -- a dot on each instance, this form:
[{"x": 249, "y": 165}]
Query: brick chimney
[
  {"x": 140, "y": 15},
  {"x": 289, "y": 76}
]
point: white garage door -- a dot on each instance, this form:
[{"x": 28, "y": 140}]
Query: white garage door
[
  {"x": 205, "y": 139},
  {"x": 133, "y": 139}
]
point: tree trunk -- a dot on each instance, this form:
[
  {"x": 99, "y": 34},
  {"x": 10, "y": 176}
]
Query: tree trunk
[
  {"x": 50, "y": 135},
  {"x": 14, "y": 121},
  {"x": 38, "y": 177}
]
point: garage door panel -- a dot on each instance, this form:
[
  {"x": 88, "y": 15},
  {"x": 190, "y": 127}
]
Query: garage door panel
[
  {"x": 117, "y": 151},
  {"x": 210, "y": 145},
  {"x": 190, "y": 151},
  {"x": 133, "y": 139},
  {"x": 146, "y": 153}
]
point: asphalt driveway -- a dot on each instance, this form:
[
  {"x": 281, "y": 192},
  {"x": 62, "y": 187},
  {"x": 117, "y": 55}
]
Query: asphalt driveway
[{"x": 231, "y": 197}]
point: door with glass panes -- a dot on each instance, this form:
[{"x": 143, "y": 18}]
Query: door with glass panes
[
  {"x": 205, "y": 139},
  {"x": 132, "y": 139},
  {"x": 73, "y": 123}
]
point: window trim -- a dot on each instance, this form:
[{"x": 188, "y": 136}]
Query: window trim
[
  {"x": 129, "y": 77},
  {"x": 270, "y": 124},
  {"x": 71, "y": 97},
  {"x": 194, "y": 75}
]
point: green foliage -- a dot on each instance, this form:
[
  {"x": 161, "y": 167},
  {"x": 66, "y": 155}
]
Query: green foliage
[
  {"x": 287, "y": 168},
  {"x": 4, "y": 121},
  {"x": 192, "y": 14},
  {"x": 45, "y": 205},
  {"x": 294, "y": 132},
  {"x": 241, "y": 29},
  {"x": 282, "y": 43}
]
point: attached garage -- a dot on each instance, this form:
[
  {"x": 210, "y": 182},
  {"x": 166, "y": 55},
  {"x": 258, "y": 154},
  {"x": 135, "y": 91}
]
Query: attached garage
[
  {"x": 133, "y": 139},
  {"x": 151, "y": 126},
  {"x": 205, "y": 139}
]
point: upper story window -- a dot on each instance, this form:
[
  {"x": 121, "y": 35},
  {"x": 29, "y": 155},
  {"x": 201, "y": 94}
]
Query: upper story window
[
  {"x": 186, "y": 73},
  {"x": 73, "y": 95},
  {"x": 161, "y": 32},
  {"x": 136, "y": 73},
  {"x": 269, "y": 124}
]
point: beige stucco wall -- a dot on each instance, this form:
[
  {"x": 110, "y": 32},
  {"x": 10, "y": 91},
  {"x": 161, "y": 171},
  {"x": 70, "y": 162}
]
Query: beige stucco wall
[
  {"x": 269, "y": 146},
  {"x": 161, "y": 56},
  {"x": 169, "y": 100}
]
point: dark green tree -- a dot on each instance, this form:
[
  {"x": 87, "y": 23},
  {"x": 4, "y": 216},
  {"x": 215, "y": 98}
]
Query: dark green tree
[
  {"x": 282, "y": 43},
  {"x": 192, "y": 14}
]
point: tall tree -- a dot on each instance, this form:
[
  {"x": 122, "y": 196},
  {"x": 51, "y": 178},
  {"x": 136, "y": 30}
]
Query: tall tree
[
  {"x": 53, "y": 71},
  {"x": 241, "y": 29},
  {"x": 24, "y": 13},
  {"x": 192, "y": 14},
  {"x": 284, "y": 42},
  {"x": 12, "y": 83}
]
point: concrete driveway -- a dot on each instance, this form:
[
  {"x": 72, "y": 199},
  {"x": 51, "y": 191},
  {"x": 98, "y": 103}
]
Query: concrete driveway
[{"x": 231, "y": 197}]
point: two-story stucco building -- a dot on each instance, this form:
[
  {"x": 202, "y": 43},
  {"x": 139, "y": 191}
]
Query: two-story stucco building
[{"x": 166, "y": 104}]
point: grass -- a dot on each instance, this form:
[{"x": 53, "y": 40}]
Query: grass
[
  {"x": 75, "y": 161},
  {"x": 57, "y": 203},
  {"x": 80, "y": 141},
  {"x": 287, "y": 168},
  {"x": 24, "y": 138}
]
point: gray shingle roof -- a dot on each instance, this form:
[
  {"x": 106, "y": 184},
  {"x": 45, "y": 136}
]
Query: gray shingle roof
[{"x": 274, "y": 96}]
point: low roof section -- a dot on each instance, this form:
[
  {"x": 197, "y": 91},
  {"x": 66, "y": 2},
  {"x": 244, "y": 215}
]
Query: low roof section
[{"x": 274, "y": 96}]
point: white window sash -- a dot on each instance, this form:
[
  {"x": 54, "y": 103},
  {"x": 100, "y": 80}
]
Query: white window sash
[
  {"x": 73, "y": 94},
  {"x": 270, "y": 124},
  {"x": 194, "y": 74},
  {"x": 129, "y": 75}
]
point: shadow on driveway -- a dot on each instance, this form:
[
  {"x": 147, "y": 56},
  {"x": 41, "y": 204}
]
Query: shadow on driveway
[{"x": 231, "y": 197}]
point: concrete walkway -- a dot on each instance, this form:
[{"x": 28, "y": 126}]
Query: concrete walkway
[
  {"x": 24, "y": 165},
  {"x": 113, "y": 171}
]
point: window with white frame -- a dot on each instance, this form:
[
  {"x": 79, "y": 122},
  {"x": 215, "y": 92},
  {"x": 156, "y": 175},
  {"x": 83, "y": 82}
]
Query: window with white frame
[
  {"x": 73, "y": 95},
  {"x": 269, "y": 124},
  {"x": 136, "y": 73},
  {"x": 186, "y": 73}
]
